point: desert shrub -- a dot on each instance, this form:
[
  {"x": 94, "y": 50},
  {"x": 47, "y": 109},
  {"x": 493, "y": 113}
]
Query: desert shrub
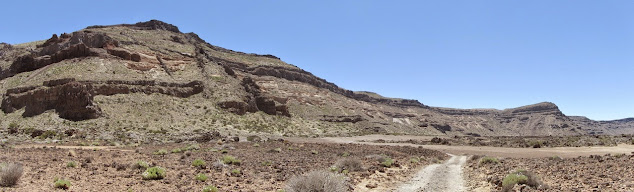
[
  {"x": 533, "y": 179},
  {"x": 314, "y": 152},
  {"x": 387, "y": 162},
  {"x": 201, "y": 177},
  {"x": 256, "y": 145},
  {"x": 535, "y": 143},
  {"x": 276, "y": 150},
  {"x": 177, "y": 150},
  {"x": 10, "y": 174},
  {"x": 161, "y": 152},
  {"x": 489, "y": 160},
  {"x": 192, "y": 147},
  {"x": 47, "y": 134},
  {"x": 521, "y": 177},
  {"x": 154, "y": 173},
  {"x": 266, "y": 163},
  {"x": 512, "y": 179},
  {"x": 210, "y": 188},
  {"x": 235, "y": 172},
  {"x": 140, "y": 165},
  {"x": 349, "y": 164},
  {"x": 230, "y": 160},
  {"x": 414, "y": 160},
  {"x": 62, "y": 184},
  {"x": 199, "y": 163},
  {"x": 345, "y": 154},
  {"x": 71, "y": 164},
  {"x": 317, "y": 181}
]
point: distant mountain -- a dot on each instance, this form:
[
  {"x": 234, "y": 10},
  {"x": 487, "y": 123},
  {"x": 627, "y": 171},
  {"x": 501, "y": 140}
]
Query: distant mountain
[{"x": 150, "y": 82}]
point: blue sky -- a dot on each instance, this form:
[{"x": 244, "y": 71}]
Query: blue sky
[{"x": 463, "y": 54}]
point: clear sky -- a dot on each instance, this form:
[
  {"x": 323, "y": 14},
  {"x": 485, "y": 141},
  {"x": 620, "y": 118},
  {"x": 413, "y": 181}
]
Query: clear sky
[{"x": 464, "y": 54}]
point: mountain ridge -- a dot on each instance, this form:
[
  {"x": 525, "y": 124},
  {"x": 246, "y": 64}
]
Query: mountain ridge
[{"x": 152, "y": 66}]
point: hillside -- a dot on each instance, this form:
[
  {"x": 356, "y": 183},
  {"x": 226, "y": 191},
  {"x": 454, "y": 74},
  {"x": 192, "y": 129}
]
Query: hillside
[{"x": 149, "y": 82}]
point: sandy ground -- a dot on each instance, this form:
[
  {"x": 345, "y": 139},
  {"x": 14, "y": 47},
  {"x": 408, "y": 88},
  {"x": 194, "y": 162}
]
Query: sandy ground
[{"x": 485, "y": 150}]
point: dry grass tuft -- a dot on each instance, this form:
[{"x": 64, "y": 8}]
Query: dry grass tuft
[
  {"x": 10, "y": 174},
  {"x": 318, "y": 181}
]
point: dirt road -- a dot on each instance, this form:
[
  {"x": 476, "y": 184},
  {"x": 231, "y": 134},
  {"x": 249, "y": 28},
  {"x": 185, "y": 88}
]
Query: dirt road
[
  {"x": 485, "y": 150},
  {"x": 438, "y": 177}
]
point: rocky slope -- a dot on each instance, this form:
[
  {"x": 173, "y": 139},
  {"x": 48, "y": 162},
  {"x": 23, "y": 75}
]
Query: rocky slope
[{"x": 150, "y": 82}]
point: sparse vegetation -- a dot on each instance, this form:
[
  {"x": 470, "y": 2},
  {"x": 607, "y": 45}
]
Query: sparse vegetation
[
  {"x": 201, "y": 177},
  {"x": 521, "y": 177},
  {"x": 199, "y": 163},
  {"x": 236, "y": 172},
  {"x": 140, "y": 165},
  {"x": 318, "y": 181},
  {"x": 230, "y": 160},
  {"x": 71, "y": 164},
  {"x": 161, "y": 152},
  {"x": 349, "y": 164},
  {"x": 210, "y": 188},
  {"x": 154, "y": 173},
  {"x": 489, "y": 160},
  {"x": 10, "y": 173},
  {"x": 387, "y": 162},
  {"x": 314, "y": 152},
  {"x": 62, "y": 184}
]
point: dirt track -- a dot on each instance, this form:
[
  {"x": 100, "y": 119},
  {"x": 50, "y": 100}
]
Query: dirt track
[
  {"x": 484, "y": 150},
  {"x": 438, "y": 177}
]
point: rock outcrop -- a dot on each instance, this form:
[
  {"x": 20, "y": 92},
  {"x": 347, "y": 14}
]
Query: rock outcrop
[
  {"x": 254, "y": 101},
  {"x": 73, "y": 100}
]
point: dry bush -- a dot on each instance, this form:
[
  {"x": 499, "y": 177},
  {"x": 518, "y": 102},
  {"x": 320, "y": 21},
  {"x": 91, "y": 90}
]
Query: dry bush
[
  {"x": 10, "y": 174},
  {"x": 349, "y": 164},
  {"x": 318, "y": 181}
]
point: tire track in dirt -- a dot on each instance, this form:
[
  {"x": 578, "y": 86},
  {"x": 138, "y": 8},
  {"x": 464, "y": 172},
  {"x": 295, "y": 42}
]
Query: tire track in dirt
[{"x": 438, "y": 177}]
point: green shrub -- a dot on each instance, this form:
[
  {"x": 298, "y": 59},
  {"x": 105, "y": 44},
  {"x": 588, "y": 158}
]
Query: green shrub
[
  {"x": 236, "y": 172},
  {"x": 177, "y": 150},
  {"x": 414, "y": 160},
  {"x": 140, "y": 165},
  {"x": 266, "y": 163},
  {"x": 199, "y": 163},
  {"x": 47, "y": 134},
  {"x": 230, "y": 160},
  {"x": 161, "y": 152},
  {"x": 210, "y": 188},
  {"x": 314, "y": 152},
  {"x": 521, "y": 177},
  {"x": 256, "y": 145},
  {"x": 387, "y": 162},
  {"x": 10, "y": 174},
  {"x": 193, "y": 147},
  {"x": 277, "y": 150},
  {"x": 154, "y": 173},
  {"x": 512, "y": 179},
  {"x": 62, "y": 184},
  {"x": 201, "y": 177},
  {"x": 71, "y": 164},
  {"x": 489, "y": 160},
  {"x": 345, "y": 154}
]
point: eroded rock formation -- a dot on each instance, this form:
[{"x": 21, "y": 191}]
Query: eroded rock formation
[{"x": 73, "y": 100}]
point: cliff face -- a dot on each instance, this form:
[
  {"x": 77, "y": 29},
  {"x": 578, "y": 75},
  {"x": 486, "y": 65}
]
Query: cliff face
[{"x": 134, "y": 81}]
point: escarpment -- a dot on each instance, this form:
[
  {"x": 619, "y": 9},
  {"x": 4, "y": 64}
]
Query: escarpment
[
  {"x": 93, "y": 74},
  {"x": 73, "y": 100}
]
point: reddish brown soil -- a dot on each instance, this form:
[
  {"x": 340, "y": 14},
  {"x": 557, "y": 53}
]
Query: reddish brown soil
[
  {"x": 109, "y": 169},
  {"x": 588, "y": 173}
]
